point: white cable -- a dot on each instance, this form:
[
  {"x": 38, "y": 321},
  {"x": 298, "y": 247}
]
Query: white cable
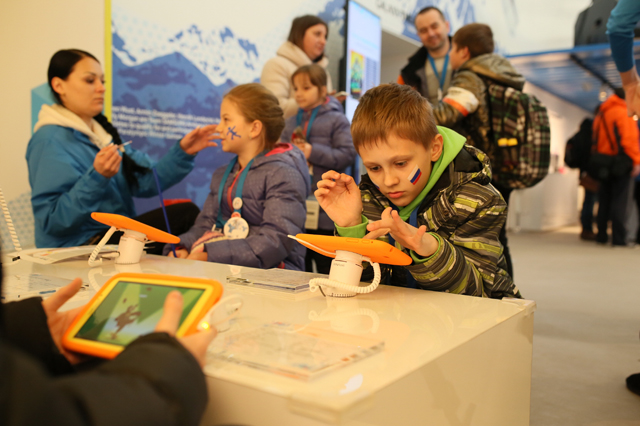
[
  {"x": 103, "y": 241},
  {"x": 7, "y": 219},
  {"x": 316, "y": 282}
]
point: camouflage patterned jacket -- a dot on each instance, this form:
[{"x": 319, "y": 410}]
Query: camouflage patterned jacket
[
  {"x": 465, "y": 212},
  {"x": 464, "y": 106}
]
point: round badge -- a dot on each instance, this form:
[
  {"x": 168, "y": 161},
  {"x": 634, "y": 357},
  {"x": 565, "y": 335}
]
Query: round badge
[
  {"x": 237, "y": 203},
  {"x": 235, "y": 214},
  {"x": 236, "y": 228}
]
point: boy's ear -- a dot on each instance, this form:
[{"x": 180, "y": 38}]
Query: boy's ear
[
  {"x": 436, "y": 147},
  {"x": 465, "y": 53}
]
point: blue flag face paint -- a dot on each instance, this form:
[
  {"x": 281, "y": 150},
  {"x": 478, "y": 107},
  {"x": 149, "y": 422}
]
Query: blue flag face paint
[
  {"x": 415, "y": 174},
  {"x": 231, "y": 131}
]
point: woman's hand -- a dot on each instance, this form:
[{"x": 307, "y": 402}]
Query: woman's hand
[
  {"x": 199, "y": 139},
  {"x": 59, "y": 322},
  {"x": 196, "y": 343},
  {"x": 339, "y": 197},
  {"x": 107, "y": 161}
]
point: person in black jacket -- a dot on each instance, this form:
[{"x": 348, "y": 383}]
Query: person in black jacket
[
  {"x": 428, "y": 70},
  {"x": 156, "y": 380}
]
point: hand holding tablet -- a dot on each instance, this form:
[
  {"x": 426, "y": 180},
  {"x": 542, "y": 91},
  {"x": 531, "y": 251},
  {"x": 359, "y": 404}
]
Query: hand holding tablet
[{"x": 131, "y": 305}]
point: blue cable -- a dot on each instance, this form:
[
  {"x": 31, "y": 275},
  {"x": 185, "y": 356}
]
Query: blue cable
[{"x": 164, "y": 211}]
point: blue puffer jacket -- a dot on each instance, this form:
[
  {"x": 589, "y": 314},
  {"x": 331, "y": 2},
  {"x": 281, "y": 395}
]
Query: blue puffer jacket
[
  {"x": 273, "y": 203},
  {"x": 65, "y": 188},
  {"x": 332, "y": 145}
]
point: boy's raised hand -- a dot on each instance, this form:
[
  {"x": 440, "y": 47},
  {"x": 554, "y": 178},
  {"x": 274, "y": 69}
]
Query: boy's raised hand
[
  {"x": 339, "y": 197},
  {"x": 409, "y": 237}
]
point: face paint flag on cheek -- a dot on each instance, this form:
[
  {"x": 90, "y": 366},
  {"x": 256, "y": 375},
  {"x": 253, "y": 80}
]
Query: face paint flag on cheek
[
  {"x": 415, "y": 174},
  {"x": 232, "y": 133}
]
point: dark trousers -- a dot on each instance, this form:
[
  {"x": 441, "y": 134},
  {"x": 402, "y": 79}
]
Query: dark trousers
[
  {"x": 181, "y": 217},
  {"x": 613, "y": 199},
  {"x": 586, "y": 215},
  {"x": 323, "y": 263},
  {"x": 506, "y": 193}
]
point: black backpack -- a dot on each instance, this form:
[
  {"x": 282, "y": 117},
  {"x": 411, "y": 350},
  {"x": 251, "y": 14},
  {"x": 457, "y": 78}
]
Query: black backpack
[
  {"x": 520, "y": 135},
  {"x": 578, "y": 149}
]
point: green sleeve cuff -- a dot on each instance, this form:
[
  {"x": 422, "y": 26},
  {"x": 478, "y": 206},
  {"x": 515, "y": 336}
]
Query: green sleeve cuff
[
  {"x": 358, "y": 231},
  {"x": 419, "y": 259}
]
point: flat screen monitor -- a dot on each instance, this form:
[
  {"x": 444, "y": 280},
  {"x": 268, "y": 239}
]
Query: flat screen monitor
[{"x": 362, "y": 53}]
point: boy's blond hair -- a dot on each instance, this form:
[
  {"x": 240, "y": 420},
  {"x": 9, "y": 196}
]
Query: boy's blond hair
[{"x": 393, "y": 108}]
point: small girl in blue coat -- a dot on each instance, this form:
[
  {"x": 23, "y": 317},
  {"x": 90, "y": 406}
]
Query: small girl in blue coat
[
  {"x": 259, "y": 197},
  {"x": 322, "y": 132}
]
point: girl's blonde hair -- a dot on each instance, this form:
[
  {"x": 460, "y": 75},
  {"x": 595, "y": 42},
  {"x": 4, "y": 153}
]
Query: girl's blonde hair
[{"x": 256, "y": 102}]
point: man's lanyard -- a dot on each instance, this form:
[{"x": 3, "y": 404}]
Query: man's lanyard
[
  {"x": 309, "y": 123},
  {"x": 240, "y": 177},
  {"x": 441, "y": 78},
  {"x": 413, "y": 221}
]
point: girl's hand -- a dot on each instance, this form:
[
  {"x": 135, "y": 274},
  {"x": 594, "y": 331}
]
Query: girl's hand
[
  {"x": 180, "y": 252},
  {"x": 199, "y": 139},
  {"x": 107, "y": 161},
  {"x": 305, "y": 147},
  {"x": 200, "y": 255},
  {"x": 339, "y": 197},
  {"x": 409, "y": 237}
]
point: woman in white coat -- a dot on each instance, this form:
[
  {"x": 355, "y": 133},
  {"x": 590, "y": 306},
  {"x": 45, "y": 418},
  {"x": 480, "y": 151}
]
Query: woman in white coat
[{"x": 305, "y": 45}]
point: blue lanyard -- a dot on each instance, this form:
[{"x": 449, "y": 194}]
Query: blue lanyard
[
  {"x": 413, "y": 221},
  {"x": 243, "y": 175},
  {"x": 314, "y": 112},
  {"x": 443, "y": 77}
]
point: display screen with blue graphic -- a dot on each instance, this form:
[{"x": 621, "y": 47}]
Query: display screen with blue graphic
[{"x": 362, "y": 54}]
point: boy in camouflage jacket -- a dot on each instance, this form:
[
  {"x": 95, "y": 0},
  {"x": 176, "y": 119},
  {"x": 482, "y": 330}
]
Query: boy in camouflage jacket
[{"x": 426, "y": 191}]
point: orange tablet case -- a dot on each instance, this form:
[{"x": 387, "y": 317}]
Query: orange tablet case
[
  {"x": 376, "y": 250},
  {"x": 123, "y": 222},
  {"x": 212, "y": 294}
]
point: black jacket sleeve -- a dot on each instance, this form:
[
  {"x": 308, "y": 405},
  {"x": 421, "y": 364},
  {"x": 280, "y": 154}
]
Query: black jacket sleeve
[{"x": 154, "y": 381}]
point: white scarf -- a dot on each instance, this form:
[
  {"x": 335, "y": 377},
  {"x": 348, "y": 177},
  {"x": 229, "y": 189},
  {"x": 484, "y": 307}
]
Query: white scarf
[{"x": 57, "y": 115}]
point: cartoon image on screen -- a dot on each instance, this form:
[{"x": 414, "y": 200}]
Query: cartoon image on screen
[
  {"x": 357, "y": 74},
  {"x": 131, "y": 310}
]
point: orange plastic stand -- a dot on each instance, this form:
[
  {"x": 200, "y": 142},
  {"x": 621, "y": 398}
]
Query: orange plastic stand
[
  {"x": 122, "y": 222},
  {"x": 377, "y": 251}
]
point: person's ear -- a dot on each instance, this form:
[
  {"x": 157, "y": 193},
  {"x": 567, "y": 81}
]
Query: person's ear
[
  {"x": 465, "y": 53},
  {"x": 57, "y": 84},
  {"x": 323, "y": 92},
  {"x": 256, "y": 129},
  {"x": 436, "y": 147}
]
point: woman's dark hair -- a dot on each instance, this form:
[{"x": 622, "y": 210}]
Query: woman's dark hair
[
  {"x": 61, "y": 65},
  {"x": 299, "y": 27}
]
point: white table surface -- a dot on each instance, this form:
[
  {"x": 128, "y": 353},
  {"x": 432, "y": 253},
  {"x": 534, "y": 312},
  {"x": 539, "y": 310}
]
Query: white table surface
[{"x": 448, "y": 359}]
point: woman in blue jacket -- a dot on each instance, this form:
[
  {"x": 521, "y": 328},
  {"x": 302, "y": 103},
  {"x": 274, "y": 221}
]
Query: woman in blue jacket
[{"x": 78, "y": 164}]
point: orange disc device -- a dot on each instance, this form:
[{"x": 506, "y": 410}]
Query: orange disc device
[
  {"x": 377, "y": 251},
  {"x": 123, "y": 222}
]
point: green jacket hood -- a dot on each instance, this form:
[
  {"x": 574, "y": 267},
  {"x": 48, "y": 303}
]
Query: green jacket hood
[{"x": 451, "y": 147}]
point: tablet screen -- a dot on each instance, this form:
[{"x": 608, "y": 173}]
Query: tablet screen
[{"x": 132, "y": 309}]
